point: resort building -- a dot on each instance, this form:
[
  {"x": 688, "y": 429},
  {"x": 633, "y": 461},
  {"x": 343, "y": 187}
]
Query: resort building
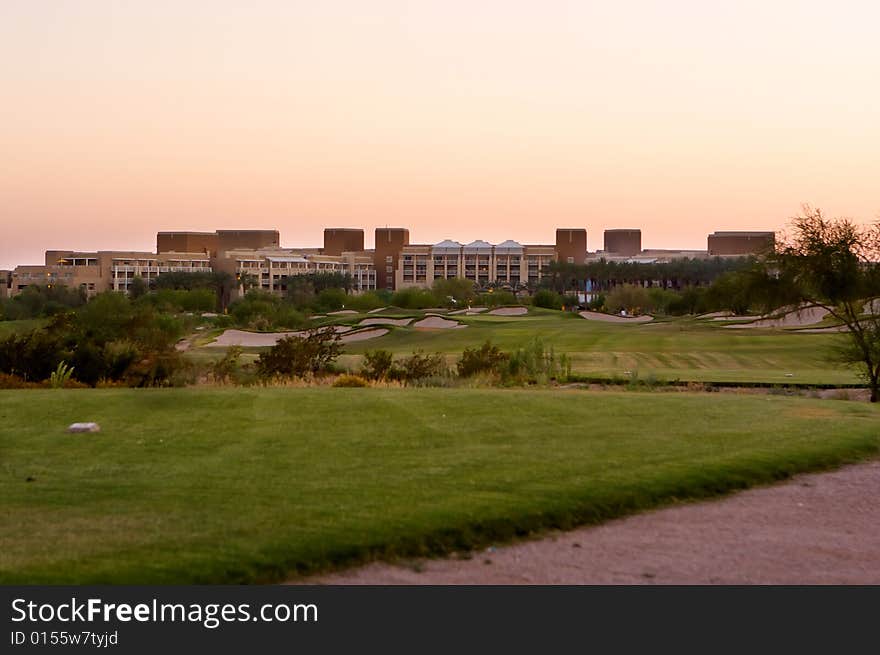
[{"x": 255, "y": 259}]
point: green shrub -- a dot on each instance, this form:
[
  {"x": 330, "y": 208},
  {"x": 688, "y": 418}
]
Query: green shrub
[
  {"x": 485, "y": 359},
  {"x": 631, "y": 298},
  {"x": 364, "y": 302},
  {"x": 226, "y": 368},
  {"x": 350, "y": 381},
  {"x": 60, "y": 376},
  {"x": 299, "y": 356},
  {"x": 534, "y": 363},
  {"x": 376, "y": 365},
  {"x": 419, "y": 366},
  {"x": 547, "y": 299},
  {"x": 413, "y": 298}
]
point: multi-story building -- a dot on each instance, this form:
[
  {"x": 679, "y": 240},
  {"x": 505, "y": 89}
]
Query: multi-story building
[
  {"x": 508, "y": 263},
  {"x": 740, "y": 243},
  {"x": 623, "y": 242},
  {"x": 256, "y": 259}
]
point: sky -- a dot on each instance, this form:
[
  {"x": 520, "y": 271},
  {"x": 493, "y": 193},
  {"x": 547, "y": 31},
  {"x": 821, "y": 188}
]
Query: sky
[{"x": 459, "y": 119}]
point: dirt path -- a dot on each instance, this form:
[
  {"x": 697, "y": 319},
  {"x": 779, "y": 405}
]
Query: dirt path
[{"x": 815, "y": 529}]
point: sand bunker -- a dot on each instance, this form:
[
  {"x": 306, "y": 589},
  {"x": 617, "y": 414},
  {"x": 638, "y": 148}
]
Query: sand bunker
[
  {"x": 363, "y": 335},
  {"x": 399, "y": 322},
  {"x": 510, "y": 311},
  {"x": 611, "y": 318},
  {"x": 376, "y": 311},
  {"x": 796, "y": 318},
  {"x": 437, "y": 322},
  {"x": 734, "y": 317},
  {"x": 259, "y": 339},
  {"x": 470, "y": 310},
  {"x": 342, "y": 311}
]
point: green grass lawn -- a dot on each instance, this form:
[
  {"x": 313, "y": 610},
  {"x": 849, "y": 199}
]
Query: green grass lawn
[
  {"x": 245, "y": 485},
  {"x": 684, "y": 348}
]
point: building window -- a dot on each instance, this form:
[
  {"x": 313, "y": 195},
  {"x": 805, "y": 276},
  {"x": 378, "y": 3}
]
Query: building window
[
  {"x": 570, "y": 260},
  {"x": 389, "y": 259}
]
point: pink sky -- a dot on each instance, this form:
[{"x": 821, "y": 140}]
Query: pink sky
[{"x": 462, "y": 119}]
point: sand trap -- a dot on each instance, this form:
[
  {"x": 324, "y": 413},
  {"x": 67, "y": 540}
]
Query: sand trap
[
  {"x": 341, "y": 312},
  {"x": 470, "y": 310},
  {"x": 435, "y": 310},
  {"x": 715, "y": 315},
  {"x": 437, "y": 322},
  {"x": 510, "y": 311},
  {"x": 363, "y": 335},
  {"x": 400, "y": 322},
  {"x": 611, "y": 318},
  {"x": 872, "y": 307},
  {"x": 376, "y": 311},
  {"x": 796, "y": 318},
  {"x": 259, "y": 339},
  {"x": 734, "y": 317}
]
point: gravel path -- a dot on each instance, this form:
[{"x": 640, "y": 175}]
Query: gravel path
[{"x": 814, "y": 529}]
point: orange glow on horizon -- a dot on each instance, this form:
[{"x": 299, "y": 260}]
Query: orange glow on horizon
[{"x": 491, "y": 120}]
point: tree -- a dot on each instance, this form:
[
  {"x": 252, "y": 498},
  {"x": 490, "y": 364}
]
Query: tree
[
  {"x": 137, "y": 288},
  {"x": 833, "y": 264},
  {"x": 311, "y": 353}
]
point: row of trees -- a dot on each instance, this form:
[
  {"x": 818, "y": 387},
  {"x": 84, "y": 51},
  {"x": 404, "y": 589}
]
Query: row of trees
[{"x": 110, "y": 339}]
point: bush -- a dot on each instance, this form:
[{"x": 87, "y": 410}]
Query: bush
[
  {"x": 496, "y": 299},
  {"x": 364, "y": 302},
  {"x": 297, "y": 356},
  {"x": 419, "y": 366},
  {"x": 485, "y": 359},
  {"x": 261, "y": 310},
  {"x": 631, "y": 298},
  {"x": 331, "y": 300},
  {"x": 457, "y": 289},
  {"x": 535, "y": 364},
  {"x": 350, "y": 381},
  {"x": 376, "y": 364},
  {"x": 413, "y": 298},
  {"x": 223, "y": 370},
  {"x": 60, "y": 376},
  {"x": 547, "y": 299},
  {"x": 8, "y": 381}
]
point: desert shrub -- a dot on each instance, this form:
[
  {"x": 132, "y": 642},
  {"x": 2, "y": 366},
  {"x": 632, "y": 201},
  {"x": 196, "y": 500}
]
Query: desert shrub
[
  {"x": 8, "y": 381},
  {"x": 534, "y": 363},
  {"x": 570, "y": 301},
  {"x": 631, "y": 298},
  {"x": 496, "y": 299},
  {"x": 547, "y": 299},
  {"x": 60, "y": 376},
  {"x": 376, "y": 365},
  {"x": 181, "y": 300},
  {"x": 364, "y": 302},
  {"x": 261, "y": 310},
  {"x": 485, "y": 359},
  {"x": 413, "y": 298},
  {"x": 419, "y": 366},
  {"x": 350, "y": 381},
  {"x": 457, "y": 289},
  {"x": 331, "y": 300},
  {"x": 37, "y": 301},
  {"x": 597, "y": 303},
  {"x": 226, "y": 368},
  {"x": 299, "y": 356}
]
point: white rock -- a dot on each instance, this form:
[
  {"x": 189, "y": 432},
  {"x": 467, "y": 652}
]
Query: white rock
[{"x": 84, "y": 427}]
